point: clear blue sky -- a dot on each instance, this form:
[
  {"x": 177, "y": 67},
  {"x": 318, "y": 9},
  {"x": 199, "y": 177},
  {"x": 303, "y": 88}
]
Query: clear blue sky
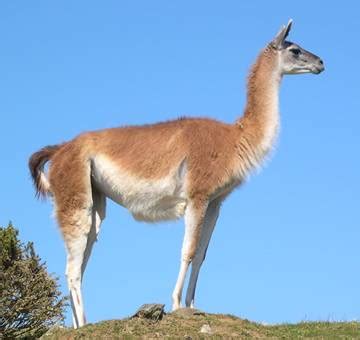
[{"x": 286, "y": 246}]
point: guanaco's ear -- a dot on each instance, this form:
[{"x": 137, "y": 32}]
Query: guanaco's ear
[{"x": 281, "y": 36}]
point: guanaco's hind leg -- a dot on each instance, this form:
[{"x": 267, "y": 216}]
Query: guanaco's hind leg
[
  {"x": 85, "y": 225},
  {"x": 80, "y": 208}
]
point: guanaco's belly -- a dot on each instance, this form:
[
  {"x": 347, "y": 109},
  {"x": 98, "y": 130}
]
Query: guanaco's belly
[{"x": 147, "y": 199}]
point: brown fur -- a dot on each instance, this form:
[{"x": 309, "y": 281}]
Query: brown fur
[{"x": 165, "y": 170}]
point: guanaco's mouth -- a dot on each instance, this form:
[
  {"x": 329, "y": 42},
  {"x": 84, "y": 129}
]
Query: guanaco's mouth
[
  {"x": 317, "y": 69},
  {"x": 314, "y": 69}
]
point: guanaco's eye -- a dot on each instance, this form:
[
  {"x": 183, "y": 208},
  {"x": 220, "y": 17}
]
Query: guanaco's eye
[{"x": 295, "y": 51}]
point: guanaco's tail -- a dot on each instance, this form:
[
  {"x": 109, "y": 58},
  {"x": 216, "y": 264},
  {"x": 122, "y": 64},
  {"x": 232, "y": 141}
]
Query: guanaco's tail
[{"x": 37, "y": 163}]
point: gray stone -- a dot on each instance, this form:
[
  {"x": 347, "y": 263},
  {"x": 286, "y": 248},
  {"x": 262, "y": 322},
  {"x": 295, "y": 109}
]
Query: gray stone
[
  {"x": 206, "y": 329},
  {"x": 151, "y": 311}
]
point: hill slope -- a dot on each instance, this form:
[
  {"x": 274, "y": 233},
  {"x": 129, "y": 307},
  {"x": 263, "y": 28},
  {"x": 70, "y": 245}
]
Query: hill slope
[{"x": 187, "y": 324}]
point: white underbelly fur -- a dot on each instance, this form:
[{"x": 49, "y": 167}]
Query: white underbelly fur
[{"x": 147, "y": 200}]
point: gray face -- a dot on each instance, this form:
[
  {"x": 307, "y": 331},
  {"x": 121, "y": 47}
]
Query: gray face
[{"x": 293, "y": 58}]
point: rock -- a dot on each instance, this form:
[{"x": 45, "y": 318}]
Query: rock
[
  {"x": 151, "y": 311},
  {"x": 206, "y": 329}
]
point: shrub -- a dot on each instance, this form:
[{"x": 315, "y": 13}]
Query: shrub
[{"x": 30, "y": 302}]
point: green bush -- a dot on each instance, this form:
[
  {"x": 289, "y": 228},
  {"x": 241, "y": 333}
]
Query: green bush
[{"x": 30, "y": 302}]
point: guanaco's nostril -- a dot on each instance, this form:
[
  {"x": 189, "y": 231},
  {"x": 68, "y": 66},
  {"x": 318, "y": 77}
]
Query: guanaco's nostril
[{"x": 321, "y": 62}]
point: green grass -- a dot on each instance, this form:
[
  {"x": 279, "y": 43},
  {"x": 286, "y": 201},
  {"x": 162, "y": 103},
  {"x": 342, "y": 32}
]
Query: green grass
[{"x": 187, "y": 326}]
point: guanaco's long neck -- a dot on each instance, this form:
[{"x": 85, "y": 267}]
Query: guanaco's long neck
[{"x": 260, "y": 122}]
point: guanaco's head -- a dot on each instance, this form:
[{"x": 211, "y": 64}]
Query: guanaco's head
[{"x": 293, "y": 58}]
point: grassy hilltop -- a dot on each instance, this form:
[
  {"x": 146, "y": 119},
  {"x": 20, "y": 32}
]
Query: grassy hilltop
[{"x": 187, "y": 324}]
